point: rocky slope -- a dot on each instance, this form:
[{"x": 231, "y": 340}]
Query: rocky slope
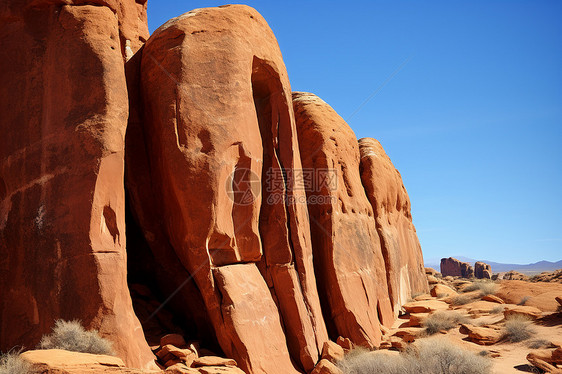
[{"x": 251, "y": 215}]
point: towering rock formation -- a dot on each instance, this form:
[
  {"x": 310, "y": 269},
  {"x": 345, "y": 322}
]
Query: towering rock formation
[
  {"x": 348, "y": 258},
  {"x": 220, "y": 213},
  {"x": 217, "y": 111},
  {"x": 453, "y": 267},
  {"x": 391, "y": 205},
  {"x": 482, "y": 270},
  {"x": 62, "y": 224}
]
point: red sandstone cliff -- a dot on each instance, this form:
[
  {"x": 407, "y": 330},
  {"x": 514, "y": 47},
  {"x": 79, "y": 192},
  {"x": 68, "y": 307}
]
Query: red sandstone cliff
[{"x": 215, "y": 147}]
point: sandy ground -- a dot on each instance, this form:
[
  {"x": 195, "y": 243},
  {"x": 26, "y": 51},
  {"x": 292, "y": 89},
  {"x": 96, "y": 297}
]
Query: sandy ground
[{"x": 506, "y": 357}]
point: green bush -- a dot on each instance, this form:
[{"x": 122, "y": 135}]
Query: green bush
[
  {"x": 429, "y": 356},
  {"x": 71, "y": 336},
  {"x": 12, "y": 363},
  {"x": 443, "y": 320},
  {"x": 517, "y": 328}
]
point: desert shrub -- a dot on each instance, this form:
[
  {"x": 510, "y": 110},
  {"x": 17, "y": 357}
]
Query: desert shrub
[
  {"x": 485, "y": 287},
  {"x": 461, "y": 300},
  {"x": 524, "y": 300},
  {"x": 12, "y": 363},
  {"x": 426, "y": 356},
  {"x": 497, "y": 309},
  {"x": 444, "y": 320},
  {"x": 517, "y": 328},
  {"x": 71, "y": 336},
  {"x": 539, "y": 343}
]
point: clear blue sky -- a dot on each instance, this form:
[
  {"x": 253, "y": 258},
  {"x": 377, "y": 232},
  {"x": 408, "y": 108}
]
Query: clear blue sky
[{"x": 473, "y": 120}]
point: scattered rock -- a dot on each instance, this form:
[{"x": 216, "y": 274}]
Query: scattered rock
[
  {"x": 416, "y": 319},
  {"x": 332, "y": 351},
  {"x": 522, "y": 310},
  {"x": 423, "y": 297},
  {"x": 172, "y": 340},
  {"x": 345, "y": 343},
  {"x": 425, "y": 306},
  {"x": 66, "y": 362},
  {"x": 480, "y": 335},
  {"x": 431, "y": 271},
  {"x": 512, "y": 275},
  {"x": 326, "y": 367},
  {"x": 480, "y": 307},
  {"x": 220, "y": 370},
  {"x": 546, "y": 359},
  {"x": 482, "y": 270},
  {"x": 181, "y": 369},
  {"x": 408, "y": 335},
  {"x": 555, "y": 276},
  {"x": 440, "y": 290},
  {"x": 397, "y": 343},
  {"x": 432, "y": 279},
  {"x": 493, "y": 299},
  {"x": 213, "y": 361}
]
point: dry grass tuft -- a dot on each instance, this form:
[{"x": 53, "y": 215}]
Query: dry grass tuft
[
  {"x": 485, "y": 287},
  {"x": 524, "y": 300},
  {"x": 517, "y": 328},
  {"x": 71, "y": 336},
  {"x": 539, "y": 344},
  {"x": 443, "y": 320},
  {"x": 462, "y": 300},
  {"x": 12, "y": 363},
  {"x": 427, "y": 356},
  {"x": 498, "y": 309}
]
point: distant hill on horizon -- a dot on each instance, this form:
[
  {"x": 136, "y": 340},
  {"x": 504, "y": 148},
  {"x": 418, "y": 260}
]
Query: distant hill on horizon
[{"x": 498, "y": 267}]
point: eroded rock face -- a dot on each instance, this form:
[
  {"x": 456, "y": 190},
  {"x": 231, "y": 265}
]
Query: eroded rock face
[
  {"x": 130, "y": 16},
  {"x": 62, "y": 226},
  {"x": 482, "y": 270},
  {"x": 391, "y": 205},
  {"x": 455, "y": 268},
  {"x": 217, "y": 118},
  {"x": 347, "y": 252},
  {"x": 203, "y": 117}
]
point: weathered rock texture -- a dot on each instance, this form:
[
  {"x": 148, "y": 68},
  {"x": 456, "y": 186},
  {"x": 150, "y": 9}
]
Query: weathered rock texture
[
  {"x": 62, "y": 223},
  {"x": 453, "y": 267},
  {"x": 391, "y": 205},
  {"x": 348, "y": 259},
  {"x": 217, "y": 111},
  {"x": 482, "y": 270},
  {"x": 219, "y": 218}
]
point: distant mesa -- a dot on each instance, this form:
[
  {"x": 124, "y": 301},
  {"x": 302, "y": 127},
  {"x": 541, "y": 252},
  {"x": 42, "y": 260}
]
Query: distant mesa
[
  {"x": 455, "y": 268},
  {"x": 482, "y": 270}
]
